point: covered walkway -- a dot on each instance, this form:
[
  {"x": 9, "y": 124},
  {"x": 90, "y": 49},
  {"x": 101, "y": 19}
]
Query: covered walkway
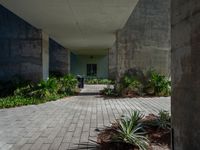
[{"x": 71, "y": 123}]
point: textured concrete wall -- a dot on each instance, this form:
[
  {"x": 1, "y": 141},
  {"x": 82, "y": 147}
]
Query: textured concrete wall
[
  {"x": 112, "y": 60},
  {"x": 186, "y": 74},
  {"x": 45, "y": 56},
  {"x": 145, "y": 40},
  {"x": 59, "y": 58},
  {"x": 20, "y": 48}
]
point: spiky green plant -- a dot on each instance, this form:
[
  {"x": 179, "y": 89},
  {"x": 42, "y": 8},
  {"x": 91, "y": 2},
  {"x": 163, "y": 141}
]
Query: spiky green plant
[
  {"x": 164, "y": 120},
  {"x": 161, "y": 121},
  {"x": 131, "y": 131}
]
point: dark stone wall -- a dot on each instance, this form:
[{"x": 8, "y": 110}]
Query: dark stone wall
[
  {"x": 20, "y": 48},
  {"x": 186, "y": 74},
  {"x": 144, "y": 41},
  {"x": 59, "y": 58}
]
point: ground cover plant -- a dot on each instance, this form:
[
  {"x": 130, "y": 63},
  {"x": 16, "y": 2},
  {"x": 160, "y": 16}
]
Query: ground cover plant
[
  {"x": 35, "y": 93},
  {"x": 137, "y": 131},
  {"x": 136, "y": 83},
  {"x": 94, "y": 80}
]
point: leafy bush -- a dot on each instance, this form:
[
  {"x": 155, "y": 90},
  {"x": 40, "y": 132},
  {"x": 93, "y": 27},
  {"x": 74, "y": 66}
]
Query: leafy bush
[
  {"x": 135, "y": 83},
  {"x": 164, "y": 120},
  {"x": 131, "y": 84},
  {"x": 131, "y": 131},
  {"x": 161, "y": 121},
  {"x": 68, "y": 84},
  {"x": 98, "y": 81},
  {"x": 158, "y": 84},
  {"x": 108, "y": 91},
  {"x": 49, "y": 90},
  {"x": 42, "y": 90}
]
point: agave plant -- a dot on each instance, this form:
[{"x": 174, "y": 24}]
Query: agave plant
[{"x": 131, "y": 131}]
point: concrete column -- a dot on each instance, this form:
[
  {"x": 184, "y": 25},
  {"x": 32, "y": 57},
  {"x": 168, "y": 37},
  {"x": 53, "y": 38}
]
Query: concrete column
[
  {"x": 23, "y": 49},
  {"x": 186, "y": 74},
  {"x": 112, "y": 62},
  {"x": 45, "y": 56},
  {"x": 59, "y": 58},
  {"x": 144, "y": 42}
]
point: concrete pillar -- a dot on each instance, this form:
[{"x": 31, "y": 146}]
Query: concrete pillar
[
  {"x": 186, "y": 74},
  {"x": 59, "y": 58},
  {"x": 144, "y": 41},
  {"x": 45, "y": 56},
  {"x": 23, "y": 49},
  {"x": 112, "y": 62}
]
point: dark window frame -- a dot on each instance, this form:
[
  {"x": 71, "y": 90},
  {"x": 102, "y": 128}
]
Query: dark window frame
[{"x": 91, "y": 69}]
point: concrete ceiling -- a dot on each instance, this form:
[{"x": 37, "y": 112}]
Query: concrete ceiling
[{"x": 83, "y": 26}]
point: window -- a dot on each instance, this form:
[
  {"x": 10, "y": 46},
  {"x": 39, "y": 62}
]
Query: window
[{"x": 91, "y": 69}]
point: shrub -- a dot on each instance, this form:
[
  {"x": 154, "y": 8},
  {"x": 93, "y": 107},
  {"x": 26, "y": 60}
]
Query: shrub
[
  {"x": 44, "y": 91},
  {"x": 130, "y": 84},
  {"x": 158, "y": 84},
  {"x": 68, "y": 84},
  {"x": 135, "y": 83},
  {"x": 164, "y": 120},
  {"x": 131, "y": 131},
  {"x": 98, "y": 81},
  {"x": 108, "y": 91},
  {"x": 161, "y": 121}
]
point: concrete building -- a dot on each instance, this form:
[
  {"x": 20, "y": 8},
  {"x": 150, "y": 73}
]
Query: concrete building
[
  {"x": 137, "y": 33},
  {"x": 87, "y": 29}
]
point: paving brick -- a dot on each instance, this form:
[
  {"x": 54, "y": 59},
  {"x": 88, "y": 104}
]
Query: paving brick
[{"x": 69, "y": 123}]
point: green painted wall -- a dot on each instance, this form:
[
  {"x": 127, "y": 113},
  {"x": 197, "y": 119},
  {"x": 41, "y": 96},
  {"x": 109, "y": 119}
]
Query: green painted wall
[{"x": 79, "y": 64}]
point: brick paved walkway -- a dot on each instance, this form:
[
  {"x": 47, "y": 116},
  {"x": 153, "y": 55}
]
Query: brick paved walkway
[{"x": 69, "y": 123}]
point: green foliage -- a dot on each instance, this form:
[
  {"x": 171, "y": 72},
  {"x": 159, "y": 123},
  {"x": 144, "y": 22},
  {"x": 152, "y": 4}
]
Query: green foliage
[
  {"x": 159, "y": 85},
  {"x": 130, "y": 83},
  {"x": 164, "y": 120},
  {"x": 49, "y": 90},
  {"x": 68, "y": 84},
  {"x": 7, "y": 88},
  {"x": 98, "y": 81},
  {"x": 45, "y": 89},
  {"x": 131, "y": 131},
  {"x": 42, "y": 90},
  {"x": 136, "y": 83},
  {"x": 108, "y": 91}
]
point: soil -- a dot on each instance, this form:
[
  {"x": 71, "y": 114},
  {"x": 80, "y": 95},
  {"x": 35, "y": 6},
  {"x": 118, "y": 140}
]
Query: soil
[{"x": 159, "y": 138}]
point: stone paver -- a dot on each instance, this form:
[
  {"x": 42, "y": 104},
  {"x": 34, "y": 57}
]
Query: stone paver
[{"x": 69, "y": 123}]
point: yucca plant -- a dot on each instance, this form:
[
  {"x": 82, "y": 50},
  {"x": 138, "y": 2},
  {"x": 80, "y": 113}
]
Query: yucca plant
[{"x": 131, "y": 131}]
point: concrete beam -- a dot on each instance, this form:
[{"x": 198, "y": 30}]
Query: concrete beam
[{"x": 84, "y": 26}]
